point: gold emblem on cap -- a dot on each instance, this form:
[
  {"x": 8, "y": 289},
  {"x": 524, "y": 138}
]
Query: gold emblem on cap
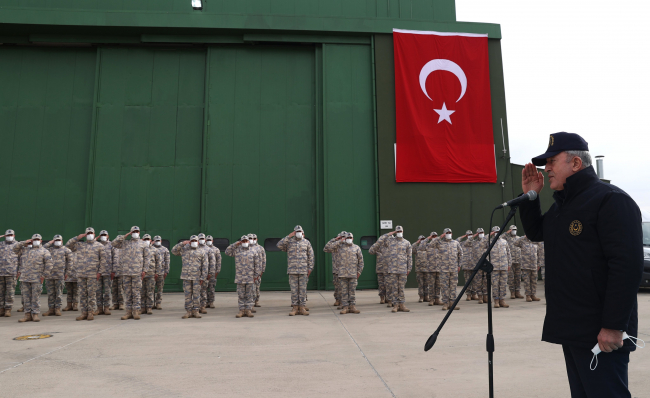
[
  {"x": 551, "y": 141},
  {"x": 575, "y": 228}
]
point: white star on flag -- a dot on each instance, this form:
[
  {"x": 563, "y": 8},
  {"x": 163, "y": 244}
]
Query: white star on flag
[{"x": 444, "y": 113}]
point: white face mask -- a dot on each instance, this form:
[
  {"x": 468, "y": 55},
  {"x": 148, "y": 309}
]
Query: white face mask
[
  {"x": 146, "y": 242},
  {"x": 194, "y": 244},
  {"x": 103, "y": 238},
  {"x": 135, "y": 235},
  {"x": 57, "y": 243},
  {"x": 37, "y": 243},
  {"x": 469, "y": 237},
  {"x": 514, "y": 233},
  {"x": 244, "y": 244},
  {"x": 202, "y": 241},
  {"x": 448, "y": 236},
  {"x": 30, "y": 245},
  {"x": 348, "y": 241},
  {"x": 157, "y": 243},
  {"x": 9, "y": 238},
  {"x": 596, "y": 349},
  {"x": 481, "y": 236},
  {"x": 90, "y": 237},
  {"x": 209, "y": 243},
  {"x": 399, "y": 234},
  {"x": 299, "y": 235}
]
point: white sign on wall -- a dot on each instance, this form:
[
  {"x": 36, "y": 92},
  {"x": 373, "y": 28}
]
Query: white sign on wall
[{"x": 386, "y": 224}]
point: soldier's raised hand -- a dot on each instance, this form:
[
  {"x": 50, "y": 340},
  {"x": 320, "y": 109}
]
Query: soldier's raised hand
[
  {"x": 81, "y": 235},
  {"x": 531, "y": 178},
  {"x": 291, "y": 235}
]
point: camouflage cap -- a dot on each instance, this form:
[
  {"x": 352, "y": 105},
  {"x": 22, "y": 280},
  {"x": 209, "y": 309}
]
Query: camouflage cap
[
  {"x": 496, "y": 229},
  {"x": 421, "y": 237},
  {"x": 194, "y": 237},
  {"x": 298, "y": 228},
  {"x": 103, "y": 232},
  {"x": 513, "y": 227},
  {"x": 90, "y": 230},
  {"x": 10, "y": 232},
  {"x": 135, "y": 228},
  {"x": 434, "y": 233},
  {"x": 201, "y": 235},
  {"x": 243, "y": 238},
  {"x": 209, "y": 237},
  {"x": 157, "y": 238},
  {"x": 399, "y": 228},
  {"x": 37, "y": 236},
  {"x": 446, "y": 230},
  {"x": 250, "y": 236},
  {"x": 254, "y": 236},
  {"x": 479, "y": 231},
  {"x": 58, "y": 237},
  {"x": 469, "y": 232},
  {"x": 146, "y": 236},
  {"x": 349, "y": 235}
]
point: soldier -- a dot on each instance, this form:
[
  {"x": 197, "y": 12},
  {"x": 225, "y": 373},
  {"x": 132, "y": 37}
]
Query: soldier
[
  {"x": 432, "y": 270},
  {"x": 91, "y": 258},
  {"x": 212, "y": 267},
  {"x": 300, "y": 263},
  {"x": 529, "y": 263},
  {"x": 501, "y": 258},
  {"x": 335, "y": 269},
  {"x": 150, "y": 277},
  {"x": 350, "y": 266},
  {"x": 193, "y": 273},
  {"x": 380, "y": 268},
  {"x": 135, "y": 260},
  {"x": 248, "y": 268},
  {"x": 481, "y": 243},
  {"x": 541, "y": 258},
  {"x": 514, "y": 275},
  {"x": 450, "y": 255},
  {"x": 420, "y": 263},
  {"x": 54, "y": 280},
  {"x": 468, "y": 263},
  {"x": 72, "y": 285},
  {"x": 212, "y": 279},
  {"x": 20, "y": 285},
  {"x": 399, "y": 262},
  {"x": 262, "y": 254},
  {"x": 8, "y": 272},
  {"x": 35, "y": 264},
  {"x": 160, "y": 282},
  {"x": 107, "y": 275},
  {"x": 117, "y": 287}
]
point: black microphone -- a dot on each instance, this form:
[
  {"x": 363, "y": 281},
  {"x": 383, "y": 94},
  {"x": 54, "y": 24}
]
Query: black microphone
[{"x": 531, "y": 195}]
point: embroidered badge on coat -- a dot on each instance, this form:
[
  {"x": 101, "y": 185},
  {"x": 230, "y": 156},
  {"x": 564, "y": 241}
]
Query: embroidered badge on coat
[{"x": 575, "y": 228}]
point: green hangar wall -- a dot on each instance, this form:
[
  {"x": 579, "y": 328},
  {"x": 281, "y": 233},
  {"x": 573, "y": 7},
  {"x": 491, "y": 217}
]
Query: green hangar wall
[{"x": 245, "y": 116}]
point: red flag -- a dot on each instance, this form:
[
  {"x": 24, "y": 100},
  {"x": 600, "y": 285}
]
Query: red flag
[{"x": 443, "y": 108}]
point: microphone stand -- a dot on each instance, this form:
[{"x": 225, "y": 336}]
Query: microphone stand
[{"x": 484, "y": 265}]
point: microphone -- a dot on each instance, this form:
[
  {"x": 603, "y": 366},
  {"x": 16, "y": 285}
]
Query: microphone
[{"x": 531, "y": 195}]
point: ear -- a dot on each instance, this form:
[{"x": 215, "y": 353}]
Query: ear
[{"x": 576, "y": 164}]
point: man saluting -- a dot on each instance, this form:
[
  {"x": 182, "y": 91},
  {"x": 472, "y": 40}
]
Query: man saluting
[{"x": 594, "y": 256}]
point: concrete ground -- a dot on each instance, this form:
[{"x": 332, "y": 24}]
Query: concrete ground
[{"x": 373, "y": 354}]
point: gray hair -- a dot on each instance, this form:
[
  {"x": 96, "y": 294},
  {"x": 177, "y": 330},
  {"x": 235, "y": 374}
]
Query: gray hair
[{"x": 585, "y": 156}]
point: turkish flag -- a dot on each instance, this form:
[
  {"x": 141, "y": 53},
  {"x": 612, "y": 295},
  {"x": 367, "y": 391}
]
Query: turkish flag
[{"x": 443, "y": 108}]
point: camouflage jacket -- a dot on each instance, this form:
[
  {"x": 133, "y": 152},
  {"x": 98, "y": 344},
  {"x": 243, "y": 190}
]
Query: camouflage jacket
[
  {"x": 528, "y": 253},
  {"x": 8, "y": 259},
  {"x": 195, "y": 261},
  {"x": 467, "y": 262},
  {"x": 212, "y": 259},
  {"x": 135, "y": 256},
  {"x": 398, "y": 256},
  {"x": 349, "y": 257},
  {"x": 500, "y": 255},
  {"x": 377, "y": 249},
  {"x": 329, "y": 248},
  {"x": 156, "y": 262},
  {"x": 262, "y": 254},
  {"x": 300, "y": 255},
  {"x": 433, "y": 263},
  {"x": 35, "y": 263},
  {"x": 515, "y": 252},
  {"x": 164, "y": 257},
  {"x": 91, "y": 257},
  {"x": 541, "y": 255},
  {"x": 449, "y": 254},
  {"x": 479, "y": 246},
  {"x": 61, "y": 261},
  {"x": 113, "y": 259},
  {"x": 420, "y": 252},
  {"x": 71, "y": 276},
  {"x": 247, "y": 263}
]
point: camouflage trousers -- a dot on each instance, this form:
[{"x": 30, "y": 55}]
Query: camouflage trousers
[
  {"x": 212, "y": 286},
  {"x": 395, "y": 284},
  {"x": 419, "y": 276},
  {"x": 348, "y": 291},
  {"x": 381, "y": 284},
  {"x": 147, "y": 292},
  {"x": 117, "y": 290},
  {"x": 543, "y": 273},
  {"x": 31, "y": 292},
  {"x": 337, "y": 286},
  {"x": 473, "y": 287},
  {"x": 192, "y": 290},
  {"x": 203, "y": 299},
  {"x": 258, "y": 283},
  {"x": 298, "y": 284},
  {"x": 54, "y": 292},
  {"x": 432, "y": 286},
  {"x": 245, "y": 295},
  {"x": 514, "y": 277},
  {"x": 481, "y": 283},
  {"x": 448, "y": 282},
  {"x": 73, "y": 292},
  {"x": 87, "y": 293},
  {"x": 7, "y": 291},
  {"x": 132, "y": 287},
  {"x": 104, "y": 287},
  {"x": 160, "y": 284},
  {"x": 530, "y": 281},
  {"x": 499, "y": 284}
]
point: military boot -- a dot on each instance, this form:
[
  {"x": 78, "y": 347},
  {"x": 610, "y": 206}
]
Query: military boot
[
  {"x": 99, "y": 311},
  {"x": 469, "y": 298},
  {"x": 107, "y": 310},
  {"x": 382, "y": 300},
  {"x": 389, "y": 303},
  {"x": 496, "y": 303},
  {"x": 202, "y": 310},
  {"x": 26, "y": 318},
  {"x": 159, "y": 307},
  {"x": 195, "y": 314},
  {"x": 518, "y": 295},
  {"x": 250, "y": 314},
  {"x": 303, "y": 310},
  {"x": 149, "y": 312},
  {"x": 7, "y": 312},
  {"x": 431, "y": 303},
  {"x": 57, "y": 312},
  {"x": 113, "y": 307},
  {"x": 421, "y": 299},
  {"x": 240, "y": 314},
  {"x": 75, "y": 306},
  {"x": 437, "y": 302},
  {"x": 212, "y": 305},
  {"x": 485, "y": 298},
  {"x": 121, "y": 306},
  {"x": 49, "y": 312},
  {"x": 395, "y": 308},
  {"x": 68, "y": 307},
  {"x": 21, "y": 309},
  {"x": 2, "y": 311},
  {"x": 340, "y": 307},
  {"x": 512, "y": 295},
  {"x": 457, "y": 307},
  {"x": 257, "y": 304},
  {"x": 136, "y": 314},
  {"x": 82, "y": 317},
  {"x": 294, "y": 310},
  {"x": 337, "y": 303},
  {"x": 427, "y": 298},
  {"x": 129, "y": 315},
  {"x": 535, "y": 298},
  {"x": 353, "y": 309},
  {"x": 480, "y": 299},
  {"x": 503, "y": 304},
  {"x": 90, "y": 316},
  {"x": 188, "y": 314},
  {"x": 35, "y": 318},
  {"x": 475, "y": 296},
  {"x": 528, "y": 299},
  {"x": 445, "y": 307},
  {"x": 344, "y": 310}
]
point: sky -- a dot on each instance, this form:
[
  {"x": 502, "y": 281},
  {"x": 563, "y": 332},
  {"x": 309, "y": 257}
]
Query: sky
[{"x": 580, "y": 67}]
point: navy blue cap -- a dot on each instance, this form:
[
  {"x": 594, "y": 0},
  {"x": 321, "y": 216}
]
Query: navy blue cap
[{"x": 560, "y": 142}]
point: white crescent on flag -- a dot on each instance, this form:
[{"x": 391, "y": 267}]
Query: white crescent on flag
[{"x": 443, "y": 64}]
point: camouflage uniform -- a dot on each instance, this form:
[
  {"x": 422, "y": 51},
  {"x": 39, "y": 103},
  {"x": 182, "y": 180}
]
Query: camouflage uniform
[
  {"x": 117, "y": 287},
  {"x": 450, "y": 255},
  {"x": 71, "y": 285},
  {"x": 212, "y": 269},
  {"x": 105, "y": 282},
  {"x": 541, "y": 258},
  {"x": 420, "y": 264},
  {"x": 431, "y": 269},
  {"x": 262, "y": 255},
  {"x": 514, "y": 274},
  {"x": 501, "y": 259},
  {"x": 399, "y": 262},
  {"x": 160, "y": 283},
  {"x": 300, "y": 262},
  {"x": 350, "y": 264},
  {"x": 34, "y": 265},
  {"x": 90, "y": 258},
  {"x": 467, "y": 264},
  {"x": 380, "y": 269},
  {"x": 479, "y": 246},
  {"x": 135, "y": 258},
  {"x": 248, "y": 267},
  {"x": 335, "y": 269},
  {"x": 212, "y": 279},
  {"x": 8, "y": 271},
  {"x": 149, "y": 280},
  {"x": 529, "y": 263},
  {"x": 195, "y": 270},
  {"x": 61, "y": 266}
]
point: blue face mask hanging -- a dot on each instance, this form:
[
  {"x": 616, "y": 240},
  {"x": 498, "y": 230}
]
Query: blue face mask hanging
[{"x": 596, "y": 349}]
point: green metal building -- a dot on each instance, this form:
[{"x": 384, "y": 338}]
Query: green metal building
[{"x": 245, "y": 116}]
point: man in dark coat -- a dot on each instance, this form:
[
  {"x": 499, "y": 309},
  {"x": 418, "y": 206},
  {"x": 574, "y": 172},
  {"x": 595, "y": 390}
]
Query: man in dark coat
[{"x": 594, "y": 264}]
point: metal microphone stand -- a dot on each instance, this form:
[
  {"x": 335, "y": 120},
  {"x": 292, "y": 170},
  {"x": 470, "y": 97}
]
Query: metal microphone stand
[{"x": 484, "y": 265}]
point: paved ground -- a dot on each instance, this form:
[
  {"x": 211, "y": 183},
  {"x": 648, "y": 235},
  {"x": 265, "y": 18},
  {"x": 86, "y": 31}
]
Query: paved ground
[{"x": 373, "y": 354}]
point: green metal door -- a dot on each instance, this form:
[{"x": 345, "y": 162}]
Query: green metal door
[
  {"x": 260, "y": 154},
  {"x": 147, "y": 148}
]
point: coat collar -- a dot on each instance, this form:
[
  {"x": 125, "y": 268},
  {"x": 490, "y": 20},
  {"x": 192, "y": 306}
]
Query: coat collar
[{"x": 575, "y": 185}]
